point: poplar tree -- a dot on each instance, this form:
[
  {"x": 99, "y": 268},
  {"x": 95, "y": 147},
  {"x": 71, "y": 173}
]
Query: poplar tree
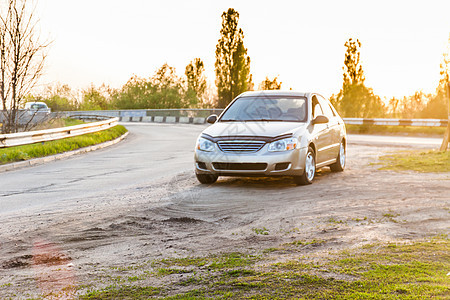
[
  {"x": 196, "y": 81},
  {"x": 355, "y": 99},
  {"x": 232, "y": 65}
]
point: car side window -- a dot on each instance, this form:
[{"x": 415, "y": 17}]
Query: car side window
[
  {"x": 316, "y": 109},
  {"x": 326, "y": 108}
]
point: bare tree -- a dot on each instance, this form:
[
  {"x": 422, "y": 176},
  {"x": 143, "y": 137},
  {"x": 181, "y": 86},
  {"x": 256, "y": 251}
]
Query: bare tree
[{"x": 22, "y": 58}]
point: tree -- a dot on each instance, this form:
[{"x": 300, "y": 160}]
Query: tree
[
  {"x": 413, "y": 106},
  {"x": 353, "y": 72},
  {"x": 59, "y": 98},
  {"x": 408, "y": 107},
  {"x": 196, "y": 82},
  {"x": 241, "y": 79},
  {"x": 96, "y": 98},
  {"x": 164, "y": 90},
  {"x": 268, "y": 84},
  {"x": 394, "y": 107},
  {"x": 169, "y": 92},
  {"x": 444, "y": 89},
  {"x": 437, "y": 107},
  {"x": 232, "y": 64},
  {"x": 135, "y": 94},
  {"x": 22, "y": 58},
  {"x": 355, "y": 99},
  {"x": 196, "y": 79}
]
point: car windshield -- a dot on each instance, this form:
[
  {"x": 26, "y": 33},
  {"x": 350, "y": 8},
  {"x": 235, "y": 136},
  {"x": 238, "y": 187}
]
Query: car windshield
[
  {"x": 279, "y": 108},
  {"x": 38, "y": 106}
]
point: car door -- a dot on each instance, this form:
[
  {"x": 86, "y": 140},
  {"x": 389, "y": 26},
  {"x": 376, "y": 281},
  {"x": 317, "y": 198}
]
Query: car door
[
  {"x": 332, "y": 147},
  {"x": 320, "y": 133}
]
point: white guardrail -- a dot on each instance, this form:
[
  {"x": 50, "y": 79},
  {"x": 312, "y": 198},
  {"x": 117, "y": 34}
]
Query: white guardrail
[
  {"x": 397, "y": 122},
  {"x": 30, "y": 137},
  {"x": 198, "y": 116}
]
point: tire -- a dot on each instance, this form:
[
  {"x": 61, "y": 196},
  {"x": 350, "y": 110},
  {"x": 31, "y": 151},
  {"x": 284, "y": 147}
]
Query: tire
[
  {"x": 310, "y": 169},
  {"x": 339, "y": 165},
  {"x": 206, "y": 178}
]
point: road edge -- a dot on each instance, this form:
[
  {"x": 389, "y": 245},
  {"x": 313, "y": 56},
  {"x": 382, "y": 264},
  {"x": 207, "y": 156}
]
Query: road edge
[{"x": 46, "y": 159}]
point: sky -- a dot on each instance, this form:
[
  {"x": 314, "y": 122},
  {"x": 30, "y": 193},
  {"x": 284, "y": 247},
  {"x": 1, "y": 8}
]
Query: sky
[{"x": 301, "y": 42}]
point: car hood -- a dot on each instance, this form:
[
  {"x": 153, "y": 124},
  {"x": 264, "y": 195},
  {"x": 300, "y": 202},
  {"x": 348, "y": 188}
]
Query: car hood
[{"x": 267, "y": 129}]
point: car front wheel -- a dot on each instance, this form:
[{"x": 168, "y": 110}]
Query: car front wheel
[
  {"x": 310, "y": 169},
  {"x": 206, "y": 178}
]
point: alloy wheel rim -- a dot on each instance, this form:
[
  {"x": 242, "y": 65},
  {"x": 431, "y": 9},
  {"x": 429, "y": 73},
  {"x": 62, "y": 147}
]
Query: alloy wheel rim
[
  {"x": 342, "y": 155},
  {"x": 310, "y": 166}
]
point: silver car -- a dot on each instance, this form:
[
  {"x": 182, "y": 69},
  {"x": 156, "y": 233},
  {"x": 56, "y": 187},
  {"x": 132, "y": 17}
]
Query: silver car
[
  {"x": 272, "y": 133},
  {"x": 37, "y": 107}
]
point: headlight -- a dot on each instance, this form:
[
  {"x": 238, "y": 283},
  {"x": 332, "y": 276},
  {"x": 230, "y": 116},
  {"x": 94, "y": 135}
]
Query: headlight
[
  {"x": 283, "y": 145},
  {"x": 204, "y": 145}
]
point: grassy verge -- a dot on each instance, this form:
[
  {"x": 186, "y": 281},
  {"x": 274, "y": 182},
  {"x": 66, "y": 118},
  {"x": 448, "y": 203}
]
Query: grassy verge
[
  {"x": 57, "y": 123},
  {"x": 19, "y": 153},
  {"x": 396, "y": 130},
  {"x": 393, "y": 271},
  {"x": 72, "y": 122},
  {"x": 430, "y": 161}
]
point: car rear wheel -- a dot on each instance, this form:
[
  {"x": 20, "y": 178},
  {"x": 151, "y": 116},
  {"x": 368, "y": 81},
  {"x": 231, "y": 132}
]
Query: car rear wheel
[
  {"x": 339, "y": 165},
  {"x": 310, "y": 169},
  {"x": 206, "y": 178}
]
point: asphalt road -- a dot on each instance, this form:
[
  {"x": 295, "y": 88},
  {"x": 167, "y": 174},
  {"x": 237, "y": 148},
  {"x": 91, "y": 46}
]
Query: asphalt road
[{"x": 150, "y": 153}]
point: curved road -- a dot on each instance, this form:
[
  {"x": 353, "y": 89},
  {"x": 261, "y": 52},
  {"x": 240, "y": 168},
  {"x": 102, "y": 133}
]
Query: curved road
[{"x": 150, "y": 153}]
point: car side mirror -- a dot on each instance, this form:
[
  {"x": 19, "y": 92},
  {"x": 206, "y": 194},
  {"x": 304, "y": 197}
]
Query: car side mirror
[
  {"x": 321, "y": 119},
  {"x": 211, "y": 119}
]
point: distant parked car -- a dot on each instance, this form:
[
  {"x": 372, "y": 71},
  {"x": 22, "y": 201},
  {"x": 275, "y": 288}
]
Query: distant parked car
[
  {"x": 34, "y": 107},
  {"x": 272, "y": 133}
]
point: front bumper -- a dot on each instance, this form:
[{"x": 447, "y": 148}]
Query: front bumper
[{"x": 261, "y": 163}]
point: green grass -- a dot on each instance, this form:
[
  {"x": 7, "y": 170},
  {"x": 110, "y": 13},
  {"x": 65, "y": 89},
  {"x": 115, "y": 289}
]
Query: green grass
[
  {"x": 168, "y": 271},
  {"x": 378, "y": 271},
  {"x": 217, "y": 262},
  {"x": 72, "y": 122},
  {"x": 430, "y": 161},
  {"x": 19, "y": 153},
  {"x": 262, "y": 231},
  {"x": 123, "y": 292},
  {"x": 306, "y": 243},
  {"x": 396, "y": 130}
]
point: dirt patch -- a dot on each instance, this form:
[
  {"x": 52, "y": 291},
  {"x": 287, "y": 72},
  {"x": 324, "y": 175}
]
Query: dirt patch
[
  {"x": 17, "y": 262},
  {"x": 182, "y": 220},
  {"x": 177, "y": 217}
]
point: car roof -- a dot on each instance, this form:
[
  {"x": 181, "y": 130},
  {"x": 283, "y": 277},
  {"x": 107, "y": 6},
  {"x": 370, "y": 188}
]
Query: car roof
[
  {"x": 35, "y": 102},
  {"x": 274, "y": 93}
]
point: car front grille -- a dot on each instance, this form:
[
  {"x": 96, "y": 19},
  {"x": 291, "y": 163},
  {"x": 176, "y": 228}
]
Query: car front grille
[
  {"x": 240, "y": 146},
  {"x": 240, "y": 166}
]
